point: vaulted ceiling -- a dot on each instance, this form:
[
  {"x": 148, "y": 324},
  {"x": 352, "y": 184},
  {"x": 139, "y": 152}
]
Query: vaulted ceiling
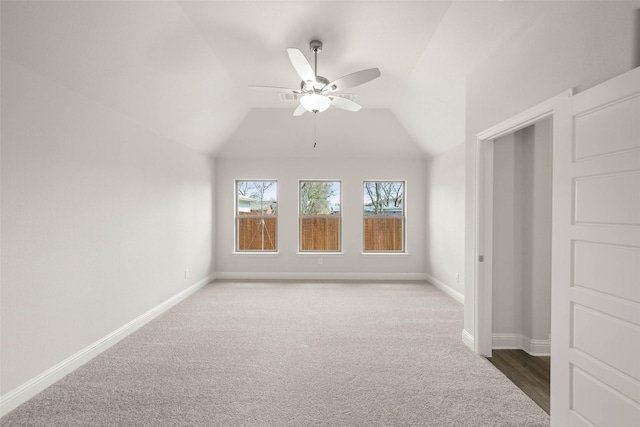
[{"x": 181, "y": 68}]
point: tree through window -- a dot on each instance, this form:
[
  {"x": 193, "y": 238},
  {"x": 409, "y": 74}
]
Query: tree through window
[
  {"x": 256, "y": 216},
  {"x": 384, "y": 218}
]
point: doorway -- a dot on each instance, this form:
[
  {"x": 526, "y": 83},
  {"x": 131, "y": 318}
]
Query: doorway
[
  {"x": 521, "y": 258},
  {"x": 482, "y": 340}
]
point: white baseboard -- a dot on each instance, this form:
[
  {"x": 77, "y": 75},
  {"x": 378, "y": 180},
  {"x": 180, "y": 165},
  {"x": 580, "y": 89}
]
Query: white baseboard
[
  {"x": 506, "y": 342},
  {"x": 537, "y": 347},
  {"x": 467, "y": 339},
  {"x": 319, "y": 276},
  {"x": 520, "y": 342},
  {"x": 26, "y": 391},
  {"x": 445, "y": 288}
]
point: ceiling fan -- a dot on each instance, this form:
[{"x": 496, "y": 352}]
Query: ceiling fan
[{"x": 317, "y": 93}]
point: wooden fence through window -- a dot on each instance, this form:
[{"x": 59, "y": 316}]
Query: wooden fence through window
[
  {"x": 383, "y": 234},
  {"x": 320, "y": 233},
  {"x": 257, "y": 233}
]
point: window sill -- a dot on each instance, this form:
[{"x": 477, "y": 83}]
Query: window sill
[
  {"x": 258, "y": 253},
  {"x": 390, "y": 254},
  {"x": 320, "y": 253}
]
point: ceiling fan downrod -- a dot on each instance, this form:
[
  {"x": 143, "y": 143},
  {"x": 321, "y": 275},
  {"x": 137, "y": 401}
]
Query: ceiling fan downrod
[{"x": 315, "y": 46}]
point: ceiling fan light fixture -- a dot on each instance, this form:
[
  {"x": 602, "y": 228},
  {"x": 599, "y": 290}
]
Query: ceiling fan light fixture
[{"x": 315, "y": 102}]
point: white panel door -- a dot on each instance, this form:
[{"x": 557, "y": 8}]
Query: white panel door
[{"x": 595, "y": 377}]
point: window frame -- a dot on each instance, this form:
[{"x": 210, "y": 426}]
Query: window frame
[
  {"x": 237, "y": 218},
  {"x": 300, "y": 218},
  {"x": 402, "y": 251}
]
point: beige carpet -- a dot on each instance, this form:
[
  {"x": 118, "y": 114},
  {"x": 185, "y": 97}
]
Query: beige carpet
[{"x": 291, "y": 354}]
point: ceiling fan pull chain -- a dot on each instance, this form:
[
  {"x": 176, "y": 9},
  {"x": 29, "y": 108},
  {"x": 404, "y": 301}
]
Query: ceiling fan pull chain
[{"x": 315, "y": 116}]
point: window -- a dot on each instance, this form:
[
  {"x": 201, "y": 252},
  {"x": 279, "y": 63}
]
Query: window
[
  {"x": 320, "y": 216},
  {"x": 384, "y": 203},
  {"x": 256, "y": 216}
]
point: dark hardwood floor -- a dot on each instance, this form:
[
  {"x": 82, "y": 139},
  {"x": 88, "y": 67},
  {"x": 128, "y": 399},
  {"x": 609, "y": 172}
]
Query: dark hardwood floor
[{"x": 530, "y": 373}]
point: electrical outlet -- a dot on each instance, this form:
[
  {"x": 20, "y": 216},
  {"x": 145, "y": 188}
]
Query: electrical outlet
[
  {"x": 186, "y": 273},
  {"x": 457, "y": 277},
  {"x": 319, "y": 261}
]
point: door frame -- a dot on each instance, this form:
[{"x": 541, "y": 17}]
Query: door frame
[{"x": 483, "y": 270}]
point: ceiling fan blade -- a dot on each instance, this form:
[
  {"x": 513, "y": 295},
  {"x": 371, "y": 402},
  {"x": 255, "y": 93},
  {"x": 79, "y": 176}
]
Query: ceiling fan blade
[
  {"x": 299, "y": 111},
  {"x": 353, "y": 79},
  {"x": 273, "y": 89},
  {"x": 344, "y": 103},
  {"x": 302, "y": 66}
]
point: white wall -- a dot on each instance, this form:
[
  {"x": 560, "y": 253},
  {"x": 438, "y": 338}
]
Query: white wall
[
  {"x": 445, "y": 220},
  {"x": 522, "y": 237},
  {"x": 537, "y": 144},
  {"x": 507, "y": 238},
  {"x": 351, "y": 264},
  {"x": 100, "y": 218},
  {"x": 575, "y": 45}
]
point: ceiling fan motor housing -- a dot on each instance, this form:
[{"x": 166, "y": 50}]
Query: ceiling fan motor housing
[{"x": 316, "y": 87}]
